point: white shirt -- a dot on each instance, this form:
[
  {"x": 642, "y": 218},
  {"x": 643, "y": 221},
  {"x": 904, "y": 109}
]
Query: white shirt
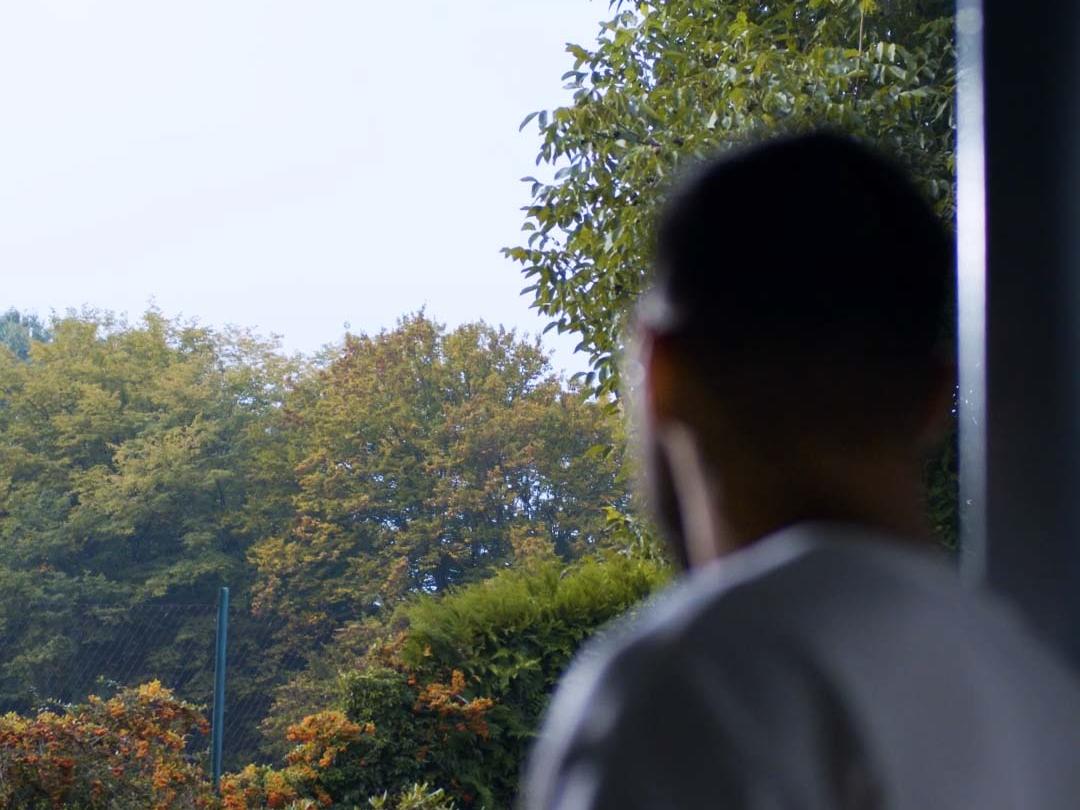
[{"x": 823, "y": 667}]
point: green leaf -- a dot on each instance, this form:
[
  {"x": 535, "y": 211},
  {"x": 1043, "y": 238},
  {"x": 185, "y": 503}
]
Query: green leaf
[{"x": 525, "y": 122}]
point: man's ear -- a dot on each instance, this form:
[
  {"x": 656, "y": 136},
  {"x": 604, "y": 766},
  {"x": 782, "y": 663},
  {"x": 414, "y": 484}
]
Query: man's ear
[{"x": 662, "y": 374}]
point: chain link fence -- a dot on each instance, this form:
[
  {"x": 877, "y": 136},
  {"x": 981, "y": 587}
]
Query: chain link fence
[{"x": 171, "y": 643}]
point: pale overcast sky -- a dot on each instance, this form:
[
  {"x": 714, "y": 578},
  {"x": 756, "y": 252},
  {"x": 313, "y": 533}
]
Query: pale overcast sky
[{"x": 289, "y": 165}]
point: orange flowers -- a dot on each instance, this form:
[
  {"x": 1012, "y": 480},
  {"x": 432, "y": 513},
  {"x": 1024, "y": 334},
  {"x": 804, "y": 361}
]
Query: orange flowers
[
  {"x": 127, "y": 750},
  {"x": 322, "y": 737},
  {"x": 448, "y": 702}
]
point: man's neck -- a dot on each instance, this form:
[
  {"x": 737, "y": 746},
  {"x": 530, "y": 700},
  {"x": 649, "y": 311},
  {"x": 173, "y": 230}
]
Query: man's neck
[{"x": 884, "y": 496}]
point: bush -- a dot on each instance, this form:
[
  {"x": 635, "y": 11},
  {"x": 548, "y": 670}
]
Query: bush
[
  {"x": 418, "y": 797},
  {"x": 124, "y": 752},
  {"x": 506, "y": 641},
  {"x": 452, "y": 694},
  {"x": 307, "y": 781}
]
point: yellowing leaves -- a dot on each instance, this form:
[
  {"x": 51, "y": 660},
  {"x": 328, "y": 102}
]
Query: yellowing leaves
[
  {"x": 125, "y": 751},
  {"x": 426, "y": 452}
]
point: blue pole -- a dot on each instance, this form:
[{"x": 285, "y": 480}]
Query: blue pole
[{"x": 217, "y": 728}]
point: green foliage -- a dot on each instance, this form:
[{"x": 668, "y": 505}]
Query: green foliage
[
  {"x": 431, "y": 458},
  {"x": 261, "y": 787},
  {"x": 942, "y": 485},
  {"x": 132, "y": 474},
  {"x": 418, "y": 797},
  {"x": 515, "y": 633},
  {"x": 452, "y": 692},
  {"x": 668, "y": 83},
  {"x": 144, "y": 465},
  {"x": 388, "y": 759},
  {"x": 18, "y": 332},
  {"x": 454, "y": 696}
]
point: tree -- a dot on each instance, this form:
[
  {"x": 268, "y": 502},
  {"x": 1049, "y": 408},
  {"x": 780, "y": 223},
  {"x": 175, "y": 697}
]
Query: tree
[
  {"x": 669, "y": 83},
  {"x": 144, "y": 465},
  {"x": 131, "y": 482},
  {"x": 432, "y": 458},
  {"x": 19, "y": 331}
]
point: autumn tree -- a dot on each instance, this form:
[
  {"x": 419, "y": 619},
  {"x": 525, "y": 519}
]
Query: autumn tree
[
  {"x": 131, "y": 476},
  {"x": 144, "y": 465},
  {"x": 432, "y": 458}
]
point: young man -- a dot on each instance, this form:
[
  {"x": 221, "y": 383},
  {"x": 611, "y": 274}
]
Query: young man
[{"x": 818, "y": 654}]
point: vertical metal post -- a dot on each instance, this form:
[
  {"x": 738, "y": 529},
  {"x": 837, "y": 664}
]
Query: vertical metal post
[
  {"x": 217, "y": 729},
  {"x": 1031, "y": 91},
  {"x": 971, "y": 288}
]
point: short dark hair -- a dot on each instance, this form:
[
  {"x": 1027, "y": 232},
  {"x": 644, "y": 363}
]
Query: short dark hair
[
  {"x": 804, "y": 250},
  {"x": 811, "y": 243}
]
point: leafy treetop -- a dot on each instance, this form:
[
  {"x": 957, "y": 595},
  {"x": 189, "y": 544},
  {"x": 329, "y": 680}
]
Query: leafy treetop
[
  {"x": 432, "y": 458},
  {"x": 670, "y": 83}
]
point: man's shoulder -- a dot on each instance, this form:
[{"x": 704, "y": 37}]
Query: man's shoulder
[
  {"x": 709, "y": 668},
  {"x": 821, "y": 600},
  {"x": 817, "y": 634},
  {"x": 768, "y": 590},
  {"x": 817, "y": 577}
]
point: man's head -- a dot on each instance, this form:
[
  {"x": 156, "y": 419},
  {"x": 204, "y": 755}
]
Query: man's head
[{"x": 793, "y": 343}]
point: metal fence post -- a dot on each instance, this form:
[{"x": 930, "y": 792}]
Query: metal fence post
[{"x": 217, "y": 728}]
